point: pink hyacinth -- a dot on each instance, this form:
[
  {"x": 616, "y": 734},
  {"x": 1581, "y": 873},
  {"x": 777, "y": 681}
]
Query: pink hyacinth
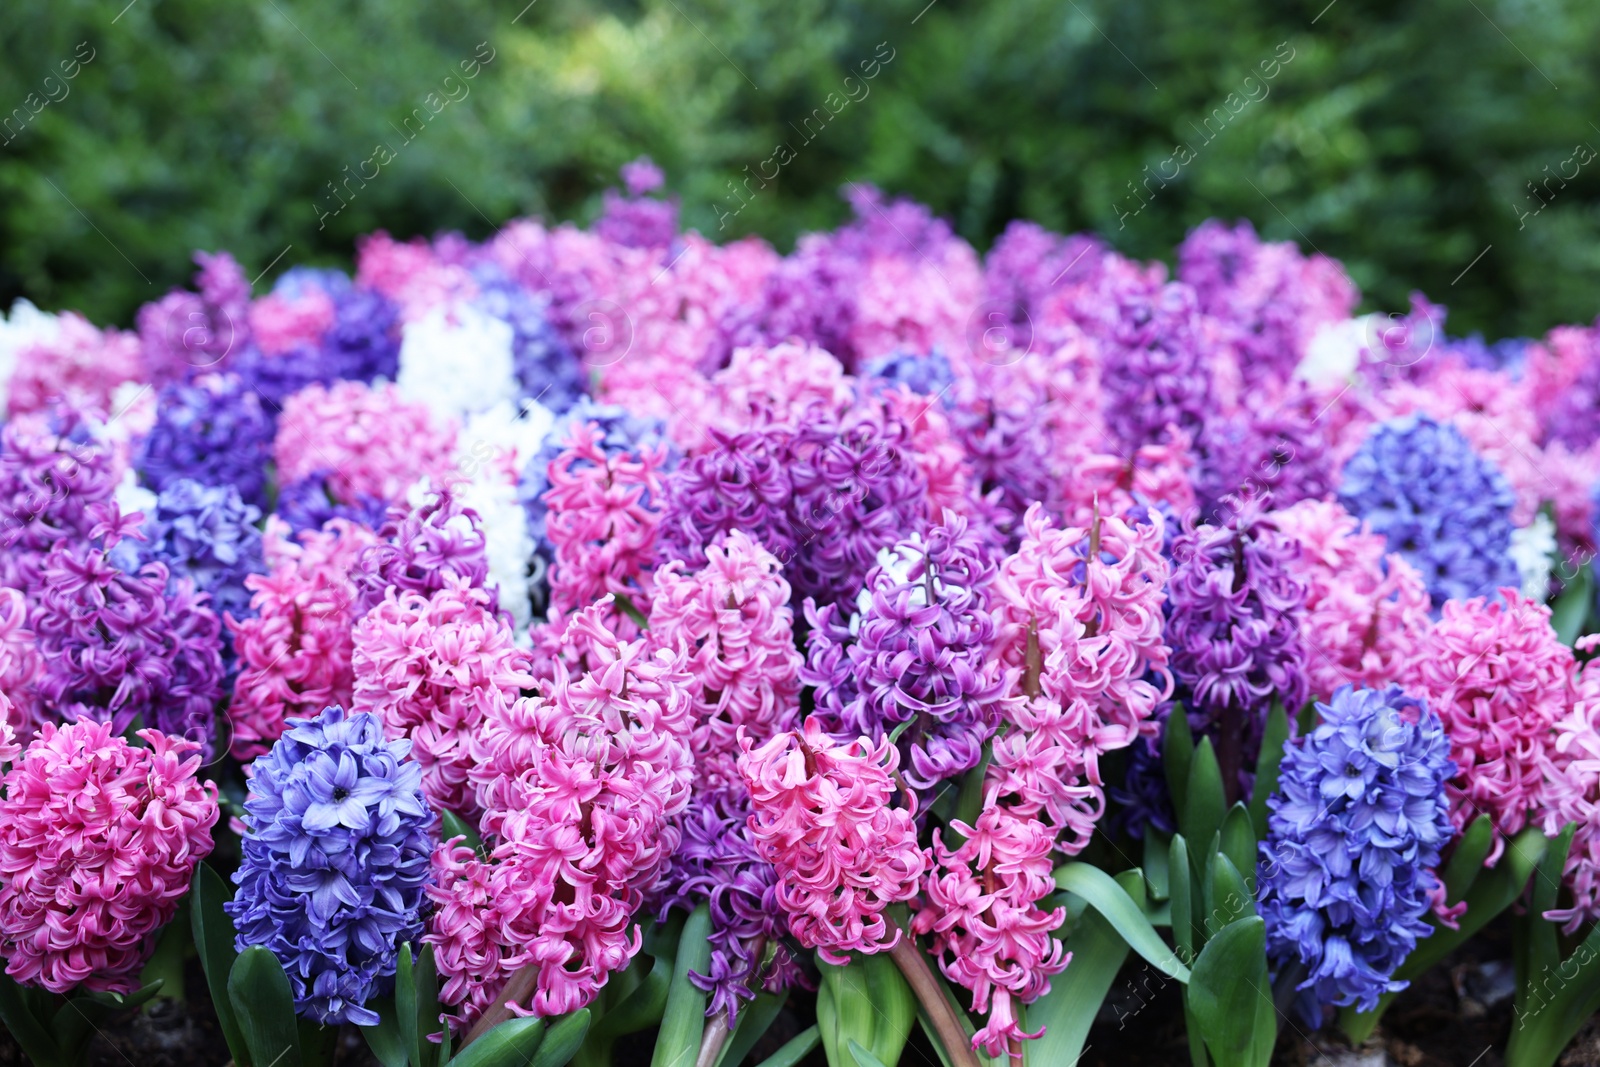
[
  {"x": 369, "y": 440},
  {"x": 989, "y": 933},
  {"x": 425, "y": 665},
  {"x": 98, "y": 844},
  {"x": 580, "y": 791},
  {"x": 20, "y": 664},
  {"x": 1571, "y": 794},
  {"x": 604, "y": 510},
  {"x": 279, "y": 322},
  {"x": 822, "y": 817},
  {"x": 411, "y": 273},
  {"x": 295, "y": 652},
  {"x": 1364, "y": 608},
  {"x": 779, "y": 383},
  {"x": 1079, "y": 620},
  {"x": 77, "y": 364},
  {"x": 1499, "y": 678},
  {"x": 735, "y": 618}
]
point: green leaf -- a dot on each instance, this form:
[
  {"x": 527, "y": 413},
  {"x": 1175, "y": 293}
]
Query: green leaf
[
  {"x": 1182, "y": 899},
  {"x": 1267, "y": 765},
  {"x": 626, "y": 605},
  {"x": 511, "y": 1044},
  {"x": 1544, "y": 1026},
  {"x": 863, "y": 1057},
  {"x": 828, "y": 1010},
  {"x": 26, "y": 1027},
  {"x": 891, "y": 998},
  {"x": 416, "y": 1002},
  {"x": 213, "y": 941},
  {"x": 1177, "y": 755},
  {"x": 755, "y": 1019},
  {"x": 1306, "y": 721},
  {"x": 1069, "y": 1009},
  {"x": 1239, "y": 843},
  {"x": 684, "y": 1020},
  {"x": 1205, "y": 803},
  {"x": 383, "y": 1038},
  {"x": 264, "y": 1005},
  {"x": 166, "y": 962},
  {"x": 78, "y": 1018},
  {"x": 561, "y": 1041},
  {"x": 1466, "y": 863},
  {"x": 643, "y": 1006},
  {"x": 1542, "y": 950},
  {"x": 1571, "y": 609},
  {"x": 797, "y": 1049},
  {"x": 1230, "y": 899},
  {"x": 1229, "y": 997},
  {"x": 1111, "y": 900},
  {"x": 1157, "y": 851},
  {"x": 454, "y": 826}
]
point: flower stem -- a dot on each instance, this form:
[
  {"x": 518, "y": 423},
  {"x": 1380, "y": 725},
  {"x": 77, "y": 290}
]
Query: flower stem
[
  {"x": 516, "y": 990},
  {"x": 908, "y": 957}
]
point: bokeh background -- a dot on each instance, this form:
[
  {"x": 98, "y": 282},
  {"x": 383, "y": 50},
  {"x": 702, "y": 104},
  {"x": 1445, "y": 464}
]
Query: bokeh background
[{"x": 1405, "y": 138}]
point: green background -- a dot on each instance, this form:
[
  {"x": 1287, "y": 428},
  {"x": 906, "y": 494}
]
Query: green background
[{"x": 1400, "y": 138}]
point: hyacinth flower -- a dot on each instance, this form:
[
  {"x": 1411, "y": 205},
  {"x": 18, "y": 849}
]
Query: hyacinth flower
[
  {"x": 20, "y": 665},
  {"x": 98, "y": 843},
  {"x": 1235, "y": 630},
  {"x": 1346, "y": 871},
  {"x": 1499, "y": 679},
  {"x": 295, "y": 651},
  {"x": 184, "y": 331},
  {"x": 1157, "y": 369},
  {"x": 1446, "y": 510},
  {"x": 914, "y": 652},
  {"x": 423, "y": 550},
  {"x": 335, "y": 862},
  {"x": 733, "y": 615},
  {"x": 51, "y": 473},
  {"x": 1080, "y": 625},
  {"x": 213, "y": 430},
  {"x": 739, "y": 481},
  {"x": 423, "y": 665},
  {"x": 122, "y": 647},
  {"x": 581, "y": 789}
]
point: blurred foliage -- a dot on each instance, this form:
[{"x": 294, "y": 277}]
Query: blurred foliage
[{"x": 1400, "y": 137}]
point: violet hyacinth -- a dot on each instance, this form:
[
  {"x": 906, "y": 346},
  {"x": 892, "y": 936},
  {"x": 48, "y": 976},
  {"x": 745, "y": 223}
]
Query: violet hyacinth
[
  {"x": 363, "y": 343},
  {"x": 119, "y": 647},
  {"x": 1280, "y": 449},
  {"x": 717, "y": 862},
  {"x": 917, "y": 649},
  {"x": 1355, "y": 830},
  {"x": 1234, "y": 630},
  {"x": 1445, "y": 509},
  {"x": 740, "y": 482},
  {"x": 308, "y": 504},
  {"x": 185, "y": 331},
  {"x": 420, "y": 550},
  {"x": 50, "y": 475},
  {"x": 335, "y": 862},
  {"x": 214, "y": 430},
  {"x": 205, "y": 534},
  {"x": 1156, "y": 367},
  {"x": 545, "y": 365}
]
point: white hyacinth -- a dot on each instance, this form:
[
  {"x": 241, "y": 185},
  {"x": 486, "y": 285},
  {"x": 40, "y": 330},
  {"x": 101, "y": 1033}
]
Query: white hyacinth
[
  {"x": 457, "y": 360},
  {"x": 1532, "y": 548}
]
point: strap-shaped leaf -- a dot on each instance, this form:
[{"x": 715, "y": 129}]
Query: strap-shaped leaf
[
  {"x": 863, "y": 1057},
  {"x": 684, "y": 1020},
  {"x": 264, "y": 1005},
  {"x": 416, "y": 1001},
  {"x": 1239, "y": 843},
  {"x": 1178, "y": 871},
  {"x": 1076, "y": 994},
  {"x": 1107, "y": 897},
  {"x": 1157, "y": 853},
  {"x": 891, "y": 998},
  {"x": 1229, "y": 899},
  {"x": 643, "y": 1006},
  {"x": 1571, "y": 609},
  {"x": 1567, "y": 999},
  {"x": 213, "y": 941},
  {"x": 797, "y": 1049},
  {"x": 1229, "y": 998},
  {"x": 755, "y": 1019},
  {"x": 1206, "y": 803},
  {"x": 511, "y": 1044},
  {"x": 383, "y": 1037},
  {"x": 1466, "y": 862},
  {"x": 1177, "y": 754},
  {"x": 1267, "y": 767},
  {"x": 28, "y": 1029},
  {"x": 561, "y": 1041},
  {"x": 454, "y": 826}
]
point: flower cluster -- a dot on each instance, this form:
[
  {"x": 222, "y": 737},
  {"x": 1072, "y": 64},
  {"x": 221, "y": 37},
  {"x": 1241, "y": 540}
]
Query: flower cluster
[
  {"x": 1355, "y": 830},
  {"x": 98, "y": 842},
  {"x": 213, "y": 430},
  {"x": 335, "y": 862}
]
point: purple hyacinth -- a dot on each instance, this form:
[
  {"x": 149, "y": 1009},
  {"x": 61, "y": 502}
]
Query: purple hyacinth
[
  {"x": 364, "y": 341},
  {"x": 309, "y": 503},
  {"x": 857, "y": 489},
  {"x": 205, "y": 534},
  {"x": 1234, "y": 629},
  {"x": 545, "y": 365},
  {"x": 1142, "y": 799},
  {"x": 1354, "y": 833},
  {"x": 335, "y": 862},
  {"x": 119, "y": 647},
  {"x": 1280, "y": 450},
  {"x": 1004, "y": 435},
  {"x": 1575, "y": 422},
  {"x": 49, "y": 478},
  {"x": 1028, "y": 263},
  {"x": 422, "y": 550},
  {"x": 916, "y": 650},
  {"x": 1439, "y": 504},
  {"x": 213, "y": 430},
  {"x": 741, "y": 482},
  {"x": 633, "y": 219},
  {"x": 1156, "y": 368},
  {"x": 184, "y": 332},
  {"x": 716, "y": 863}
]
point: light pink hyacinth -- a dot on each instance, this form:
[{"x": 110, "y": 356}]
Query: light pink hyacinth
[
  {"x": 98, "y": 844},
  {"x": 369, "y": 440},
  {"x": 822, "y": 816},
  {"x": 1571, "y": 794},
  {"x": 279, "y": 323},
  {"x": 581, "y": 790},
  {"x": 734, "y": 616},
  {"x": 20, "y": 664},
  {"x": 1499, "y": 678},
  {"x": 77, "y": 364},
  {"x": 425, "y": 666},
  {"x": 1079, "y": 620},
  {"x": 1364, "y": 609},
  {"x": 294, "y": 654},
  {"x": 989, "y": 933}
]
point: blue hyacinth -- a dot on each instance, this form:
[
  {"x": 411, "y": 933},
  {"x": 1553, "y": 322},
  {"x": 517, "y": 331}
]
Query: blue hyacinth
[
  {"x": 204, "y": 533},
  {"x": 214, "y": 430},
  {"x": 1354, "y": 834},
  {"x": 335, "y": 862},
  {"x": 1439, "y": 504},
  {"x": 929, "y": 375}
]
